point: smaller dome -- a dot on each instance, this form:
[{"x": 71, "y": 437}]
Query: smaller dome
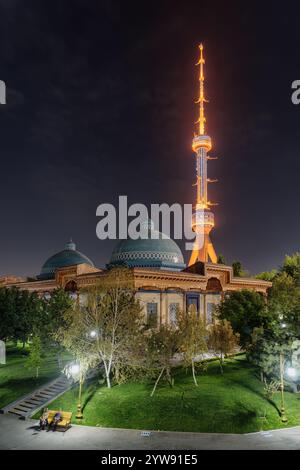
[{"x": 67, "y": 257}]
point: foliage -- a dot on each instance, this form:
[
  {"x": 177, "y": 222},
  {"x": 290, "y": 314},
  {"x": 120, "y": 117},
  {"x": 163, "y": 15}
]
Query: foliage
[
  {"x": 271, "y": 387},
  {"x": 24, "y": 314},
  {"x": 34, "y": 360},
  {"x": 106, "y": 325},
  {"x": 238, "y": 270},
  {"x": 284, "y": 305},
  {"x": 162, "y": 344},
  {"x": 222, "y": 340},
  {"x": 267, "y": 275},
  {"x": 53, "y": 316},
  {"x": 19, "y": 313},
  {"x": 192, "y": 337},
  {"x": 221, "y": 259},
  {"x": 245, "y": 310},
  {"x": 291, "y": 266}
]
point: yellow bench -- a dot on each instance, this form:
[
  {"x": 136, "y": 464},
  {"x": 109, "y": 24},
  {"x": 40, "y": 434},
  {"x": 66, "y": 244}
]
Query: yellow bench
[{"x": 66, "y": 418}]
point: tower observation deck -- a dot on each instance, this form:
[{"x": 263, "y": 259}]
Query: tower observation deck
[{"x": 203, "y": 217}]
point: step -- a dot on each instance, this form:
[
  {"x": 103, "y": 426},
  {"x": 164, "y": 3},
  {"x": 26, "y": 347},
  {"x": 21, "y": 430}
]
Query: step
[
  {"x": 36, "y": 400},
  {"x": 30, "y": 404},
  {"x": 42, "y": 395},
  {"x": 22, "y": 410},
  {"x": 15, "y": 412},
  {"x": 25, "y": 406}
]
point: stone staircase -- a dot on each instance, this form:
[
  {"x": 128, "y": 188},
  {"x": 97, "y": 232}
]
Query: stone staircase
[{"x": 28, "y": 405}]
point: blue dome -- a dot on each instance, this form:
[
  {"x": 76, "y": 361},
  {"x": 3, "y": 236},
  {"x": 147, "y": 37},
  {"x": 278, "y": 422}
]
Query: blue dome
[
  {"x": 154, "y": 250},
  {"x": 67, "y": 257}
]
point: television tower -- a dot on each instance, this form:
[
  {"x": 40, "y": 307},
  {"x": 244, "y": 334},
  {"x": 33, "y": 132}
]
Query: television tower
[{"x": 203, "y": 217}]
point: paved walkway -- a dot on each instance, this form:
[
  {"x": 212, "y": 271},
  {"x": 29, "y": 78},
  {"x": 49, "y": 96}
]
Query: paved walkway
[{"x": 18, "y": 434}]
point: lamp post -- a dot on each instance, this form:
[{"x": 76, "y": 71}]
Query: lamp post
[
  {"x": 282, "y": 409},
  {"x": 79, "y": 414},
  {"x": 76, "y": 372}
]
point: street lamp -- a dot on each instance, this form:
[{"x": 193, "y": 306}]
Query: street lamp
[
  {"x": 76, "y": 372},
  {"x": 282, "y": 409}
]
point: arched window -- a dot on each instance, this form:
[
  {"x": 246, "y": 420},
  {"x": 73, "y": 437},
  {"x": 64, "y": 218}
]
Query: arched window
[
  {"x": 71, "y": 288},
  {"x": 214, "y": 285}
]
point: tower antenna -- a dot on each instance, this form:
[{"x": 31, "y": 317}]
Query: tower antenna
[{"x": 201, "y": 100}]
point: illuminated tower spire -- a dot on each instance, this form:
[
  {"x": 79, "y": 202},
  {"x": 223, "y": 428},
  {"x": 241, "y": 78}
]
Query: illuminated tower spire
[
  {"x": 201, "y": 100},
  {"x": 203, "y": 217}
]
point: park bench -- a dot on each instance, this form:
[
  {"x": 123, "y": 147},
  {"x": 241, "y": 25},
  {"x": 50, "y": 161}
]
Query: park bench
[{"x": 65, "y": 423}]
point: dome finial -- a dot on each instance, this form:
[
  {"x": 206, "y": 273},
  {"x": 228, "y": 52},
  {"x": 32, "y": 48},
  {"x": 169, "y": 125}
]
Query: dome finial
[{"x": 70, "y": 245}]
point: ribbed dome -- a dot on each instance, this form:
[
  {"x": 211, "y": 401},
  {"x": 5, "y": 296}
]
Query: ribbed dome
[
  {"x": 67, "y": 257},
  {"x": 156, "y": 251}
]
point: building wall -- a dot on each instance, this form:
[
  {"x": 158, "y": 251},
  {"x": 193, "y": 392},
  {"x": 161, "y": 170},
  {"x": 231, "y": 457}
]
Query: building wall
[{"x": 205, "y": 303}]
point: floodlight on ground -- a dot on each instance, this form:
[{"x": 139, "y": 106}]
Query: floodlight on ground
[{"x": 93, "y": 334}]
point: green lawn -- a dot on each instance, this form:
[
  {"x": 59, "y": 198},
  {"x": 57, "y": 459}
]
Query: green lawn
[
  {"x": 232, "y": 403},
  {"x": 16, "y": 380}
]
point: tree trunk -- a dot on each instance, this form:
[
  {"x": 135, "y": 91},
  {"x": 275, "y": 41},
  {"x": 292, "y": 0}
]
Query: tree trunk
[
  {"x": 157, "y": 380},
  {"x": 169, "y": 377},
  {"x": 37, "y": 373},
  {"x": 108, "y": 383},
  {"x": 194, "y": 375},
  {"x": 221, "y": 364},
  {"x": 107, "y": 372}
]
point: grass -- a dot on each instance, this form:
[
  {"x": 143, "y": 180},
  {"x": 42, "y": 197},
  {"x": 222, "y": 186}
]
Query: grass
[
  {"x": 17, "y": 380},
  {"x": 232, "y": 403}
]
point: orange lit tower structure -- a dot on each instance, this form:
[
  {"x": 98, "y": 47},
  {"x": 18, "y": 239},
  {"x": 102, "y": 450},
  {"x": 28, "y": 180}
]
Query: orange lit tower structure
[{"x": 203, "y": 217}]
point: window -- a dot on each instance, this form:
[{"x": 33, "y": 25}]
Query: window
[
  {"x": 173, "y": 311},
  {"x": 209, "y": 312},
  {"x": 152, "y": 314},
  {"x": 192, "y": 300}
]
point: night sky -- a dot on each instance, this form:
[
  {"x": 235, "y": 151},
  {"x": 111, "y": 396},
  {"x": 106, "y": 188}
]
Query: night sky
[{"x": 100, "y": 103}]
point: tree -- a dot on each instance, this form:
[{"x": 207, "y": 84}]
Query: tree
[
  {"x": 162, "y": 344},
  {"x": 291, "y": 266},
  {"x": 221, "y": 259},
  {"x": 267, "y": 275},
  {"x": 52, "y": 318},
  {"x": 222, "y": 340},
  {"x": 284, "y": 305},
  {"x": 265, "y": 351},
  {"x": 245, "y": 310},
  {"x": 192, "y": 337},
  {"x": 7, "y": 314},
  {"x": 34, "y": 360},
  {"x": 28, "y": 310},
  {"x": 105, "y": 327},
  {"x": 238, "y": 270},
  {"x": 19, "y": 313}
]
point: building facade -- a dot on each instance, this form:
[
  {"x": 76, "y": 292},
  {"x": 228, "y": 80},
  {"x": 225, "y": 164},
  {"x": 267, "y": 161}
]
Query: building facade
[{"x": 162, "y": 283}]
